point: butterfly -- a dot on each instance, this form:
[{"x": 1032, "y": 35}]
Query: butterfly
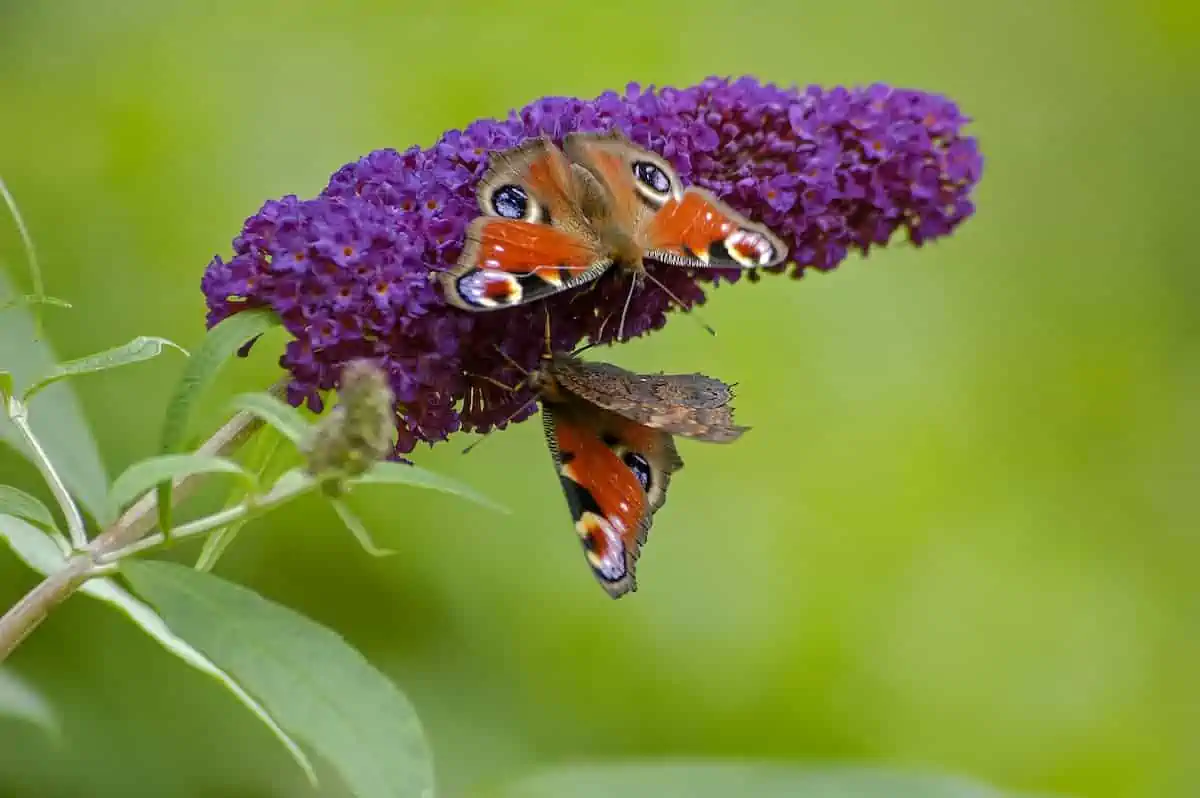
[
  {"x": 611, "y": 435},
  {"x": 555, "y": 219}
]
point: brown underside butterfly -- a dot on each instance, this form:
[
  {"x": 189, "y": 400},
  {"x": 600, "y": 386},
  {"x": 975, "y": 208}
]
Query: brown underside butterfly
[{"x": 611, "y": 435}]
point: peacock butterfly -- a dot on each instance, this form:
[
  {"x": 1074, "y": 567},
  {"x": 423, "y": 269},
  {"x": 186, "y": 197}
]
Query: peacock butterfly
[
  {"x": 556, "y": 218},
  {"x": 611, "y": 436}
]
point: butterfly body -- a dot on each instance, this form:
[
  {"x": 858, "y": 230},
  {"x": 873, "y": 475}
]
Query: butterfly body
[
  {"x": 553, "y": 219},
  {"x": 610, "y": 434}
]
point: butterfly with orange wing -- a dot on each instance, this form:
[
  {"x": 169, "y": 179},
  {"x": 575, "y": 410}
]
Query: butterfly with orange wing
[
  {"x": 555, "y": 219},
  {"x": 610, "y": 432}
]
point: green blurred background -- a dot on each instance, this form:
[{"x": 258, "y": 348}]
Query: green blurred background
[{"x": 962, "y": 536}]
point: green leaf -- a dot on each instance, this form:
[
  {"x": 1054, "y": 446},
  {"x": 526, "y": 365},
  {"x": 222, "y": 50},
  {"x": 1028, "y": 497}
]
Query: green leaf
[
  {"x": 722, "y": 780},
  {"x": 22, "y": 505},
  {"x": 6, "y": 386},
  {"x": 221, "y": 343},
  {"x": 34, "y": 299},
  {"x": 20, "y": 699},
  {"x": 146, "y": 474},
  {"x": 320, "y": 688},
  {"x": 35, "y": 272},
  {"x": 58, "y": 420},
  {"x": 43, "y": 554},
  {"x": 278, "y": 414},
  {"x": 141, "y": 348},
  {"x": 359, "y": 530},
  {"x": 389, "y": 473}
]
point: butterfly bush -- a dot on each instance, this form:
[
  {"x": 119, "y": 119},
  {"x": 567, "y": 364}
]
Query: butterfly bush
[{"x": 350, "y": 272}]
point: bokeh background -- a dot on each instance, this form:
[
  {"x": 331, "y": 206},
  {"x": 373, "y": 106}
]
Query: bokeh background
[{"x": 962, "y": 536}]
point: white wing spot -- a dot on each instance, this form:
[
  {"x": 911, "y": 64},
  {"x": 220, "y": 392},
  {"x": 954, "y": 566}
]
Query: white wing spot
[{"x": 480, "y": 288}]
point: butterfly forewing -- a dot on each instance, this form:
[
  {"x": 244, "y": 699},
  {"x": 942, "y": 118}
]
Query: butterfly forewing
[
  {"x": 614, "y": 475},
  {"x": 515, "y": 261},
  {"x": 701, "y": 231},
  {"x": 534, "y": 239}
]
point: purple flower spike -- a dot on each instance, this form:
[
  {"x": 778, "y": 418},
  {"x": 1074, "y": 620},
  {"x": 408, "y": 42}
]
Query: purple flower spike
[{"x": 350, "y": 272}]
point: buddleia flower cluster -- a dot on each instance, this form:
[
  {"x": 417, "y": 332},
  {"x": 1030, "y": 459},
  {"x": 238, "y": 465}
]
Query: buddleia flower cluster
[{"x": 349, "y": 272}]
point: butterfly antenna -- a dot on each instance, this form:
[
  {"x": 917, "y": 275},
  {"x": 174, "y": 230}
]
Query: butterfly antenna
[
  {"x": 493, "y": 381},
  {"x": 494, "y": 427},
  {"x": 689, "y": 311},
  {"x": 633, "y": 284},
  {"x": 511, "y": 362}
]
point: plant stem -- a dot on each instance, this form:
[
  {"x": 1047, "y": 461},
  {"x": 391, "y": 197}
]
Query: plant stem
[
  {"x": 135, "y": 524},
  {"x": 75, "y": 527},
  {"x": 287, "y": 488}
]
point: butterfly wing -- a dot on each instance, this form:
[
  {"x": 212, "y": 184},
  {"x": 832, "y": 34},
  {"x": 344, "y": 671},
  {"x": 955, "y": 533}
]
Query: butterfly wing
[
  {"x": 637, "y": 181},
  {"x": 692, "y": 405},
  {"x": 614, "y": 474},
  {"x": 700, "y": 231},
  {"x": 533, "y": 239},
  {"x": 509, "y": 262},
  {"x": 683, "y": 227}
]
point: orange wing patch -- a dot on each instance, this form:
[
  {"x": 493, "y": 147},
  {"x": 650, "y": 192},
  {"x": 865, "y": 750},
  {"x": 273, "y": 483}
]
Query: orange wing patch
[
  {"x": 520, "y": 247},
  {"x": 702, "y": 227}
]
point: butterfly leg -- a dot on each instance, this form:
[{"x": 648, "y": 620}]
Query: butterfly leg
[
  {"x": 635, "y": 284},
  {"x": 494, "y": 381}
]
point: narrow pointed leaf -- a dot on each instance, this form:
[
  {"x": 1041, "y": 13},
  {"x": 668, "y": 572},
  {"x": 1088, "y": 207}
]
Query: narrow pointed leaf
[
  {"x": 201, "y": 369},
  {"x": 35, "y": 271},
  {"x": 34, "y": 299},
  {"x": 389, "y": 473},
  {"x": 320, "y": 688},
  {"x": 275, "y": 412},
  {"x": 152, "y": 624},
  {"x": 359, "y": 530},
  {"x": 42, "y": 554},
  {"x": 146, "y": 474},
  {"x": 22, "y": 505},
  {"x": 722, "y": 780},
  {"x": 141, "y": 348},
  {"x": 58, "y": 420},
  {"x": 20, "y": 699}
]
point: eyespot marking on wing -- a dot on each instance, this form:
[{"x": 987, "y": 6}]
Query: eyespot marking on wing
[
  {"x": 489, "y": 288},
  {"x": 702, "y": 228},
  {"x": 652, "y": 181},
  {"x": 747, "y": 247},
  {"x": 511, "y": 201},
  {"x": 603, "y": 545}
]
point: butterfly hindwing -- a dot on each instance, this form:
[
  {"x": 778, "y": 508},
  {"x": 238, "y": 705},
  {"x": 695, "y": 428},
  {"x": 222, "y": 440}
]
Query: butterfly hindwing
[
  {"x": 614, "y": 474},
  {"x": 692, "y": 405}
]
